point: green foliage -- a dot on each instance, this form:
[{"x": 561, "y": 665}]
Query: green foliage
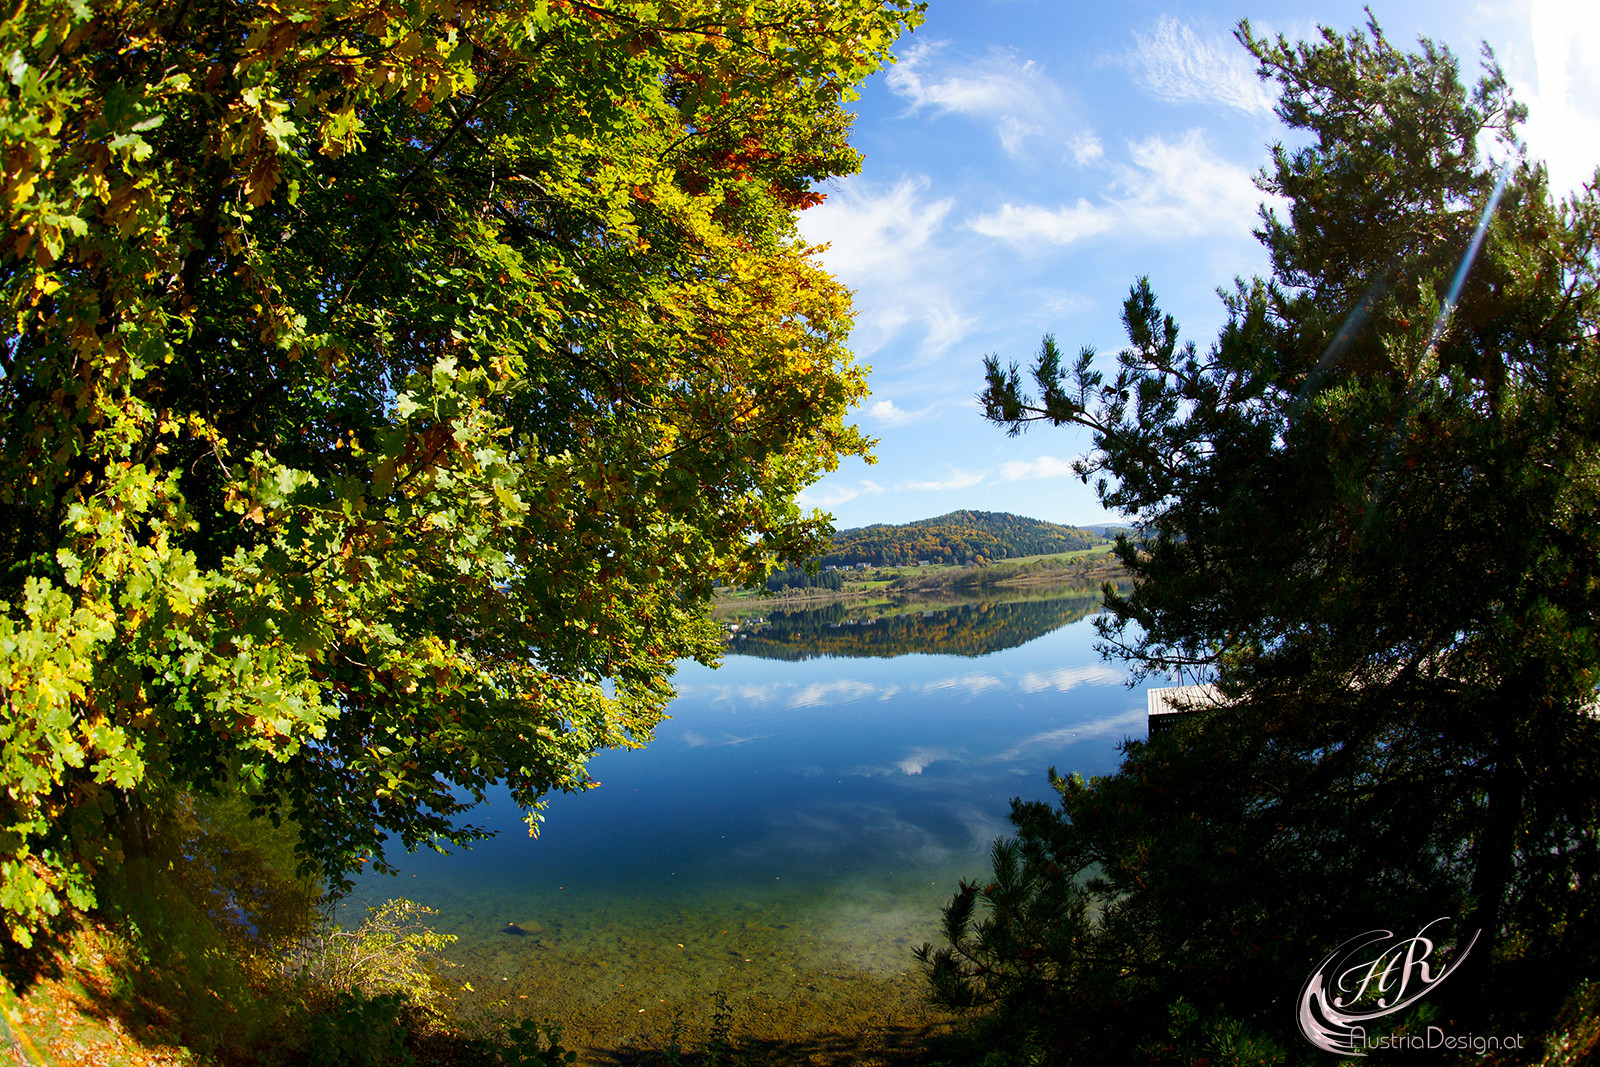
[
  {"x": 1086, "y": 570},
  {"x": 360, "y": 1031},
  {"x": 1575, "y": 1036},
  {"x": 393, "y": 953},
  {"x": 1166, "y": 892},
  {"x": 1218, "y": 1041},
  {"x": 535, "y": 1044},
  {"x": 385, "y": 390},
  {"x": 1371, "y": 513},
  {"x": 799, "y": 578},
  {"x": 959, "y": 537},
  {"x": 195, "y": 926}
]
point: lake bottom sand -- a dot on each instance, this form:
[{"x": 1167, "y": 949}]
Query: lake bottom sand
[{"x": 808, "y": 976}]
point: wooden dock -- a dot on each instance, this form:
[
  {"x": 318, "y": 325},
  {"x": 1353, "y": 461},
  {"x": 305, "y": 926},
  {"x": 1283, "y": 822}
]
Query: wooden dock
[{"x": 1163, "y": 706}]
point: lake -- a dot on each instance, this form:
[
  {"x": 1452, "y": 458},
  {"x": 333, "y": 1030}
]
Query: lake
[{"x": 792, "y": 830}]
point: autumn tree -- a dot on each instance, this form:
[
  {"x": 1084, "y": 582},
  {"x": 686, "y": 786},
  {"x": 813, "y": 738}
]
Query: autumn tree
[
  {"x": 386, "y": 386},
  {"x": 1369, "y": 512}
]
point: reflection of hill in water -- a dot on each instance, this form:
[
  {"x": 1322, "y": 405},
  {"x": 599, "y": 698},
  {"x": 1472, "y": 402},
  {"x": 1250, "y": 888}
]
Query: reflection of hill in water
[{"x": 974, "y": 629}]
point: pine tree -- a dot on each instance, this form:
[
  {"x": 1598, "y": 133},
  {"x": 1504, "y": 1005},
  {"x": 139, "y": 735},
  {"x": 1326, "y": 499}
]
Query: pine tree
[{"x": 1370, "y": 511}]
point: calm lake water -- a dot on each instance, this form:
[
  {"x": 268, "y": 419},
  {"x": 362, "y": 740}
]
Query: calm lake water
[{"x": 792, "y": 830}]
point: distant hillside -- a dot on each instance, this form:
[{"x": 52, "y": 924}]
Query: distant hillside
[{"x": 960, "y": 537}]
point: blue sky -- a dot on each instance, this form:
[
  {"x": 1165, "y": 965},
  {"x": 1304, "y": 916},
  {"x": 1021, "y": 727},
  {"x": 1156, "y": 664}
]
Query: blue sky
[{"x": 1026, "y": 160}]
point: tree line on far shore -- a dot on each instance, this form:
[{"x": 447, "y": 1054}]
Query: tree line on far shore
[{"x": 961, "y": 537}]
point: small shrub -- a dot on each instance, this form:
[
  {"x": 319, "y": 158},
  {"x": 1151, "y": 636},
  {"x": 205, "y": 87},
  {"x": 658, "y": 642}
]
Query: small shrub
[
  {"x": 359, "y": 1031},
  {"x": 531, "y": 1044},
  {"x": 392, "y": 953}
]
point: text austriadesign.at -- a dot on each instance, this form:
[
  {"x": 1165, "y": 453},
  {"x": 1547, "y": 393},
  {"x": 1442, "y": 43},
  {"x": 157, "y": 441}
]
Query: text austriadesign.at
[{"x": 1436, "y": 1038}]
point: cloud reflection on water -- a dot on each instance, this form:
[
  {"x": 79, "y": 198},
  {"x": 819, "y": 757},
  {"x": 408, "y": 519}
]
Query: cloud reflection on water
[
  {"x": 843, "y": 691},
  {"x": 1128, "y": 722},
  {"x": 698, "y": 740},
  {"x": 847, "y": 690},
  {"x": 1071, "y": 677},
  {"x": 974, "y": 684},
  {"x": 919, "y": 759},
  {"x": 849, "y": 834}
]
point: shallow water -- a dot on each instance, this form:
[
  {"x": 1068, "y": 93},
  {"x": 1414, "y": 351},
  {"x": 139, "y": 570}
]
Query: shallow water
[{"x": 785, "y": 840}]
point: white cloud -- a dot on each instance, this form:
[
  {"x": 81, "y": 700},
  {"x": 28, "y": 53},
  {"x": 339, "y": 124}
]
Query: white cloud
[
  {"x": 886, "y": 412},
  {"x": 959, "y": 479},
  {"x": 1085, "y": 149},
  {"x": 1171, "y": 189},
  {"x": 1013, "y": 131},
  {"x": 1176, "y": 64},
  {"x": 1044, "y": 467},
  {"x": 945, "y": 327},
  {"x": 834, "y": 495},
  {"x": 870, "y": 229},
  {"x": 884, "y": 242},
  {"x": 1031, "y": 224},
  {"x": 1002, "y": 88},
  {"x": 1564, "y": 111}
]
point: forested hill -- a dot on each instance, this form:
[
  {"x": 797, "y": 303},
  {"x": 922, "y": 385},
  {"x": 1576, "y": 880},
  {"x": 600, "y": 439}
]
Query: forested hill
[{"x": 959, "y": 537}]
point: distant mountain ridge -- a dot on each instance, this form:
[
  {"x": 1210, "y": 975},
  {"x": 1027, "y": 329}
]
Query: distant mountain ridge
[{"x": 961, "y": 537}]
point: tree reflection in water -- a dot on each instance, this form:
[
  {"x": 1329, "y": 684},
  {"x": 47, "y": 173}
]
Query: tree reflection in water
[{"x": 884, "y": 631}]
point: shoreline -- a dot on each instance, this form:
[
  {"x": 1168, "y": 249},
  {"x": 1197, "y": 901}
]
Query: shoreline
[{"x": 964, "y": 583}]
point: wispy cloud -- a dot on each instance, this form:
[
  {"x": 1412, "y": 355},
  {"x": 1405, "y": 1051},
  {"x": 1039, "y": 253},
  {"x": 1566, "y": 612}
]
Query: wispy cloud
[
  {"x": 1564, "y": 111},
  {"x": 1085, "y": 149},
  {"x": 1002, "y": 88},
  {"x": 959, "y": 479},
  {"x": 885, "y": 241},
  {"x": 1030, "y": 224},
  {"x": 886, "y": 412},
  {"x": 1174, "y": 63},
  {"x": 1168, "y": 189},
  {"x": 871, "y": 228},
  {"x": 1060, "y": 304},
  {"x": 1018, "y": 470},
  {"x": 834, "y": 495},
  {"x": 945, "y": 327}
]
